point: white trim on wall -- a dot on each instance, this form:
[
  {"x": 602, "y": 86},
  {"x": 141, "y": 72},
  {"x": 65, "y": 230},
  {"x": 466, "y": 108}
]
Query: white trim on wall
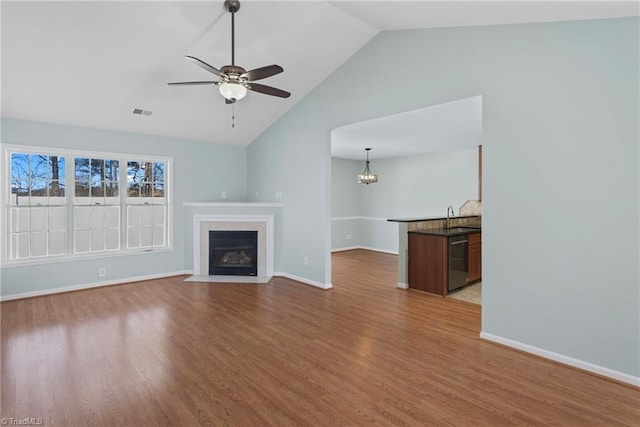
[
  {"x": 561, "y": 358},
  {"x": 94, "y": 285},
  {"x": 305, "y": 281},
  {"x": 346, "y": 248},
  {"x": 368, "y": 248}
]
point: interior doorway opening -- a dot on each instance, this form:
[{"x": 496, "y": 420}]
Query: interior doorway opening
[{"x": 426, "y": 160}]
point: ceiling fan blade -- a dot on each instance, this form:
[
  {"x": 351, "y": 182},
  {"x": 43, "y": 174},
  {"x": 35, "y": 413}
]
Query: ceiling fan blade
[
  {"x": 262, "y": 72},
  {"x": 193, "y": 83},
  {"x": 229, "y": 101},
  {"x": 268, "y": 90},
  {"x": 206, "y": 66}
]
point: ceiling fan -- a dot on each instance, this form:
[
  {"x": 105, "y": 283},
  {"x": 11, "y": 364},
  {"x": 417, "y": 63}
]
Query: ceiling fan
[{"x": 234, "y": 80}]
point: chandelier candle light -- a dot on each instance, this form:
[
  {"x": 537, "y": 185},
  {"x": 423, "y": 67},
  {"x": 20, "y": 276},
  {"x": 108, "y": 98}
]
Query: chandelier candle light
[{"x": 366, "y": 177}]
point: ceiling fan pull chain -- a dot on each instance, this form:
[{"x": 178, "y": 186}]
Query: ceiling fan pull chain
[{"x": 233, "y": 115}]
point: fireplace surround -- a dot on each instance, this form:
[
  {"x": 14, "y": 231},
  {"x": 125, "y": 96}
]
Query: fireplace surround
[{"x": 263, "y": 225}]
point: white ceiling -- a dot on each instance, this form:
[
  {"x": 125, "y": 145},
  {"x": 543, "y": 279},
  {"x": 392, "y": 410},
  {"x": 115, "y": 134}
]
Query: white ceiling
[
  {"x": 405, "y": 15},
  {"x": 90, "y": 63},
  {"x": 454, "y": 125}
]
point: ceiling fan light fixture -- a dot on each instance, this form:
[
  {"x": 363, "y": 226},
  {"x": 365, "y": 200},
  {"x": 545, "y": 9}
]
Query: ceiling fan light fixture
[
  {"x": 367, "y": 177},
  {"x": 233, "y": 90}
]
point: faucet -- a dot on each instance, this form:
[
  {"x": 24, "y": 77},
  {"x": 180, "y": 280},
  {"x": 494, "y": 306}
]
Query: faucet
[{"x": 450, "y": 211}]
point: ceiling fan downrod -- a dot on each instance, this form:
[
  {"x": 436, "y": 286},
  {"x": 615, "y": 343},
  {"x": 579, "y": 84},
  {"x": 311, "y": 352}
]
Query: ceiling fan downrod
[{"x": 232, "y": 6}]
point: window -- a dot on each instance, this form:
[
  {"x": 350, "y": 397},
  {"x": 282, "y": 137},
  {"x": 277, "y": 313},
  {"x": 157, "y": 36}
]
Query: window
[
  {"x": 146, "y": 204},
  {"x": 96, "y": 210},
  {"x": 37, "y": 211},
  {"x": 117, "y": 203}
]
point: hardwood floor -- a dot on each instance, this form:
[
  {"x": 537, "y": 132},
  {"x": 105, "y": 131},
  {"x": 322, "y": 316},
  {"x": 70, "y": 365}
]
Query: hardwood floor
[{"x": 166, "y": 352}]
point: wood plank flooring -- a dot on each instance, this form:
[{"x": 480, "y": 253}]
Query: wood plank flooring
[{"x": 166, "y": 352}]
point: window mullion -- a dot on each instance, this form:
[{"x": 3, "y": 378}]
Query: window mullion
[
  {"x": 123, "y": 203},
  {"x": 70, "y": 191}
]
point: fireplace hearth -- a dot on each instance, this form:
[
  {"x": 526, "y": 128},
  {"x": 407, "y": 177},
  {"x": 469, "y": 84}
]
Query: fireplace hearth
[{"x": 233, "y": 253}]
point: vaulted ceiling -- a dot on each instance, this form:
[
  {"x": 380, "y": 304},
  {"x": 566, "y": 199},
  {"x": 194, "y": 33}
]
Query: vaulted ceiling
[{"x": 91, "y": 63}]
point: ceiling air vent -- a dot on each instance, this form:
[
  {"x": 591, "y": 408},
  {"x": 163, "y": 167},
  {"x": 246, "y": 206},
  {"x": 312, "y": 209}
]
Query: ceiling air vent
[{"x": 142, "y": 112}]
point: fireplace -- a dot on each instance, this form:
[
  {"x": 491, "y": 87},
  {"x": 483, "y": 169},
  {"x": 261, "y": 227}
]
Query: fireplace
[
  {"x": 233, "y": 253},
  {"x": 261, "y": 226}
]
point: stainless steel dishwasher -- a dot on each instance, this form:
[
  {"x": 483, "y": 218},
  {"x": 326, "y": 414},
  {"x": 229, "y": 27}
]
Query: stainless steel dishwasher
[{"x": 458, "y": 262}]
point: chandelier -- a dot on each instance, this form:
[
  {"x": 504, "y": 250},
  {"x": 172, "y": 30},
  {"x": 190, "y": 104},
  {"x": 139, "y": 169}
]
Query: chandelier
[{"x": 366, "y": 177}]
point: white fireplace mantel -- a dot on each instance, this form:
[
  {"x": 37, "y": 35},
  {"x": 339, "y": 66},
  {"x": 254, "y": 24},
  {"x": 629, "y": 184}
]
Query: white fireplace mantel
[{"x": 261, "y": 223}]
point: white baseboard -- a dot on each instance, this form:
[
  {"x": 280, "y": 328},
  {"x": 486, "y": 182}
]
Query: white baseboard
[
  {"x": 561, "y": 358},
  {"x": 346, "y": 248},
  {"x": 403, "y": 285},
  {"x": 305, "y": 281},
  {"x": 385, "y": 251},
  {"x": 367, "y": 248},
  {"x": 93, "y": 285}
]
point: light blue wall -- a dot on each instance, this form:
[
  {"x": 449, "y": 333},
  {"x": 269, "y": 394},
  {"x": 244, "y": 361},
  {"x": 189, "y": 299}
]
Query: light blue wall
[
  {"x": 345, "y": 190},
  {"x": 201, "y": 171},
  {"x": 560, "y": 166},
  {"x": 346, "y": 226},
  {"x": 423, "y": 185},
  {"x": 284, "y": 159},
  {"x": 416, "y": 186}
]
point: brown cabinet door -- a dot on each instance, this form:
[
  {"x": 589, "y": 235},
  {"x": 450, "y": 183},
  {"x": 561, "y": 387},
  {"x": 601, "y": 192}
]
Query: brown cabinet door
[
  {"x": 427, "y": 263},
  {"x": 475, "y": 257}
]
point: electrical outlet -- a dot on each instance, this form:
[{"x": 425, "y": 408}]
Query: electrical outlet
[
  {"x": 420, "y": 225},
  {"x": 349, "y": 236},
  {"x": 257, "y": 195},
  {"x": 305, "y": 260},
  {"x": 223, "y": 195},
  {"x": 278, "y": 195},
  {"x": 102, "y": 272}
]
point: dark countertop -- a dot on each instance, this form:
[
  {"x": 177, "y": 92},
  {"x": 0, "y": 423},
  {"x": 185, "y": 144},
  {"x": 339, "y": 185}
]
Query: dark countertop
[
  {"x": 429, "y": 218},
  {"x": 448, "y": 232}
]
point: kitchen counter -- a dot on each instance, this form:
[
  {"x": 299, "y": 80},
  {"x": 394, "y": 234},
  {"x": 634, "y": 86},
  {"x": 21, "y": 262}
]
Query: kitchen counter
[
  {"x": 443, "y": 260},
  {"x": 447, "y": 232},
  {"x": 436, "y": 227}
]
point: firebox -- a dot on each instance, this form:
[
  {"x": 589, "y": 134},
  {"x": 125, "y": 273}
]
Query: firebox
[{"x": 233, "y": 253}]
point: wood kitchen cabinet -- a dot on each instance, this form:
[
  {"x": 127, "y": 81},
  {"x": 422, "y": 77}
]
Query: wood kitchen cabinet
[
  {"x": 427, "y": 263},
  {"x": 475, "y": 257}
]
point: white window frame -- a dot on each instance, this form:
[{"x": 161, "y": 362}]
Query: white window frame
[{"x": 70, "y": 155}]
